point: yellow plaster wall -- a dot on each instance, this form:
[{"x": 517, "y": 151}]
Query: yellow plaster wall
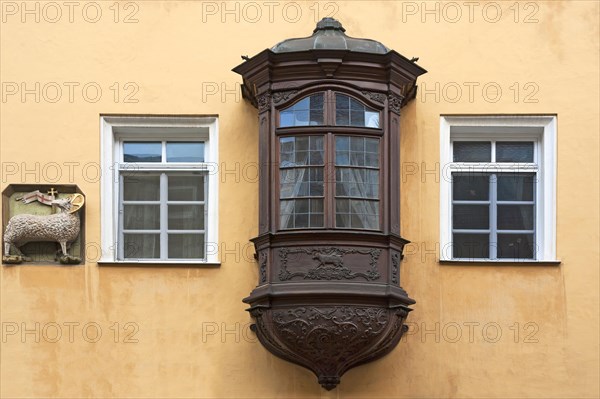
[{"x": 190, "y": 331}]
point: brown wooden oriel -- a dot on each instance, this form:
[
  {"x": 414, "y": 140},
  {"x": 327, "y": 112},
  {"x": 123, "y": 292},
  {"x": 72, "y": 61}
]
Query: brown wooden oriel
[{"x": 329, "y": 299}]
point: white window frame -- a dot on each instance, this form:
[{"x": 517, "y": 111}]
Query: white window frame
[
  {"x": 541, "y": 129},
  {"x": 116, "y": 129}
]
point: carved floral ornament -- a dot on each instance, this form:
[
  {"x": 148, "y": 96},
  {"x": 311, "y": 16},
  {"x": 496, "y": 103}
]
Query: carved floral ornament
[
  {"x": 329, "y": 297},
  {"x": 396, "y": 102}
]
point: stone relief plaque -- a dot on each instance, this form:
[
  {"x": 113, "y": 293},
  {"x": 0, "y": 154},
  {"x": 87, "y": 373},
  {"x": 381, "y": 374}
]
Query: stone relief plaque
[{"x": 42, "y": 224}]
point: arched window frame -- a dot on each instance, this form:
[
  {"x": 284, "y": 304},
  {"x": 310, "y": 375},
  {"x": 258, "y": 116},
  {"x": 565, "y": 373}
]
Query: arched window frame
[{"x": 329, "y": 131}]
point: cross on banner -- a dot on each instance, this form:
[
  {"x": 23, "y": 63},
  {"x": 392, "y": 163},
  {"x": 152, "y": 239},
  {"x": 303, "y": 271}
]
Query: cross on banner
[{"x": 37, "y": 196}]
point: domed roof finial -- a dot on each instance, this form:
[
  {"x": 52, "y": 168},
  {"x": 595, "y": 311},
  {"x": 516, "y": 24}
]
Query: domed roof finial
[
  {"x": 329, "y": 35},
  {"x": 329, "y": 23}
]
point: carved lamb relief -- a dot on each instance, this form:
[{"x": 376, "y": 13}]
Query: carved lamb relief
[{"x": 59, "y": 223}]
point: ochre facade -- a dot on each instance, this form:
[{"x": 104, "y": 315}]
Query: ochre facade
[{"x": 498, "y": 331}]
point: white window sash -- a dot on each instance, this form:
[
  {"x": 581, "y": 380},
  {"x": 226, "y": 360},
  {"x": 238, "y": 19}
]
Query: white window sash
[
  {"x": 116, "y": 129},
  {"x": 541, "y": 130}
]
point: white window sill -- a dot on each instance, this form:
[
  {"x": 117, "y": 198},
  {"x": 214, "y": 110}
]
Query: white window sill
[
  {"x": 497, "y": 262},
  {"x": 145, "y": 263}
]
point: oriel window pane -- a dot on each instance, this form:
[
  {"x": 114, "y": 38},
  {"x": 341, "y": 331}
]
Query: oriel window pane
[
  {"x": 142, "y": 151},
  {"x": 301, "y": 213},
  {"x": 179, "y": 151},
  {"x": 357, "y": 214},
  {"x": 514, "y": 151},
  {"x": 351, "y": 112},
  {"x": 472, "y": 151},
  {"x": 301, "y": 151},
  {"x": 308, "y": 111}
]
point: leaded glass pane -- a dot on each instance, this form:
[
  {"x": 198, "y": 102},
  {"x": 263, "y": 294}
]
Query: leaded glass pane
[
  {"x": 301, "y": 213},
  {"x": 355, "y": 182},
  {"x": 308, "y": 111},
  {"x": 301, "y": 180},
  {"x": 301, "y": 151},
  {"x": 351, "y": 112},
  {"x": 357, "y": 214}
]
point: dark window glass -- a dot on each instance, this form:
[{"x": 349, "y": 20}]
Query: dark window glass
[
  {"x": 470, "y": 245},
  {"x": 186, "y": 217},
  {"x": 186, "y": 246},
  {"x": 473, "y": 187},
  {"x": 186, "y": 188},
  {"x": 516, "y": 187},
  {"x": 471, "y": 216},
  {"x": 515, "y": 217},
  {"x": 514, "y": 151},
  {"x": 141, "y": 187},
  {"x": 141, "y": 246},
  {"x": 510, "y": 197},
  {"x": 141, "y": 217},
  {"x": 516, "y": 246},
  {"x": 472, "y": 151}
]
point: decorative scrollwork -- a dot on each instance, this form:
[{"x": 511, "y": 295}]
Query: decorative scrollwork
[
  {"x": 394, "y": 102},
  {"x": 395, "y": 267},
  {"x": 263, "y": 267},
  {"x": 282, "y": 96},
  {"x": 330, "y": 264},
  {"x": 374, "y": 96},
  {"x": 264, "y": 102},
  {"x": 332, "y": 338}
]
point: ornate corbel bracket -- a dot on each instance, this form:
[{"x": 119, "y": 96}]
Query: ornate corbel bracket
[
  {"x": 263, "y": 102},
  {"x": 395, "y": 102}
]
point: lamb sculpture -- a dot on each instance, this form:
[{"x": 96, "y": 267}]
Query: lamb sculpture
[{"x": 62, "y": 227}]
